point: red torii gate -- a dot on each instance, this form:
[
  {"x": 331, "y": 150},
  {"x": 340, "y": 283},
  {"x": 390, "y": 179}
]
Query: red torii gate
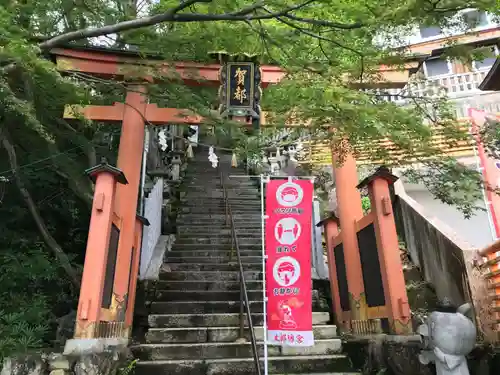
[
  {"x": 114, "y": 222},
  {"x": 114, "y": 217}
]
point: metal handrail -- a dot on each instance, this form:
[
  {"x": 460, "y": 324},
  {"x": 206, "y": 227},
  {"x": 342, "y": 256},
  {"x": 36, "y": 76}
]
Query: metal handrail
[{"x": 244, "y": 303}]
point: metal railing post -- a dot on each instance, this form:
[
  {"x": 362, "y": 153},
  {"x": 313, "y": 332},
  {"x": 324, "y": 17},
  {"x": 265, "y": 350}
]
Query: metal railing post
[
  {"x": 244, "y": 303},
  {"x": 242, "y": 299}
]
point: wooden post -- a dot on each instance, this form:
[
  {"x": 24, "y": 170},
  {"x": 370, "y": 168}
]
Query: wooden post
[
  {"x": 130, "y": 161},
  {"x": 331, "y": 229},
  {"x": 96, "y": 255},
  {"x": 350, "y": 211},
  {"x": 398, "y": 309}
]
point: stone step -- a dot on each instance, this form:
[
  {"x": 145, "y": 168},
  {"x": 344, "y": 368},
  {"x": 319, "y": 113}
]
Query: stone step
[
  {"x": 215, "y": 249},
  {"x": 244, "y": 229},
  {"x": 205, "y": 295},
  {"x": 205, "y": 196},
  {"x": 332, "y": 363},
  {"x": 229, "y": 350},
  {"x": 201, "y": 307},
  {"x": 205, "y": 209},
  {"x": 239, "y": 222},
  {"x": 194, "y": 186},
  {"x": 227, "y": 173},
  {"x": 221, "y": 334},
  {"x": 219, "y": 240},
  {"x": 189, "y": 182},
  {"x": 219, "y": 247},
  {"x": 211, "y": 253},
  {"x": 209, "y": 200},
  {"x": 217, "y": 223},
  {"x": 217, "y": 195},
  {"x": 220, "y": 267},
  {"x": 219, "y": 201},
  {"x": 218, "y": 188},
  {"x": 217, "y": 320},
  {"x": 210, "y": 275},
  {"x": 205, "y": 285},
  {"x": 193, "y": 179},
  {"x": 219, "y": 216},
  {"x": 204, "y": 259}
]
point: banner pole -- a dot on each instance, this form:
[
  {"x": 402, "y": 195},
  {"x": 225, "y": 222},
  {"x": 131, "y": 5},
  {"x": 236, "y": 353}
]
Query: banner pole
[{"x": 263, "y": 217}]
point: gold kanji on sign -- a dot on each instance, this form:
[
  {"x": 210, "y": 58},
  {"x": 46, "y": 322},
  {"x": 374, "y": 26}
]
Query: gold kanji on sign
[
  {"x": 240, "y": 76},
  {"x": 240, "y": 94}
]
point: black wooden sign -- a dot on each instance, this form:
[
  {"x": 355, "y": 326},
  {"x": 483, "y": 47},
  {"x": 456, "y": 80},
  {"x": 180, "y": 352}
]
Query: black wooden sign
[
  {"x": 370, "y": 267},
  {"x": 240, "y": 85},
  {"x": 338, "y": 252}
]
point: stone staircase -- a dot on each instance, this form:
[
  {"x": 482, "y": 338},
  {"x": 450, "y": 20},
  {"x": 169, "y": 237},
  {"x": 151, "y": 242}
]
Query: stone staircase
[{"x": 194, "y": 314}]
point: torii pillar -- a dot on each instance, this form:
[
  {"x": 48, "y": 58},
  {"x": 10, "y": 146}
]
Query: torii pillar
[
  {"x": 133, "y": 115},
  {"x": 130, "y": 154},
  {"x": 349, "y": 212}
]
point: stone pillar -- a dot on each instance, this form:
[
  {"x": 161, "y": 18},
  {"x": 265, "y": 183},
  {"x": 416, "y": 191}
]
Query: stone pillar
[
  {"x": 176, "y": 167},
  {"x": 318, "y": 255},
  {"x": 349, "y": 211},
  {"x": 130, "y": 161},
  {"x": 96, "y": 255},
  {"x": 331, "y": 230},
  {"x": 398, "y": 309}
]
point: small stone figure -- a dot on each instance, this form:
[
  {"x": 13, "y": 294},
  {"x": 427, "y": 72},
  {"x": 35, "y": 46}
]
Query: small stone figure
[{"x": 448, "y": 336}]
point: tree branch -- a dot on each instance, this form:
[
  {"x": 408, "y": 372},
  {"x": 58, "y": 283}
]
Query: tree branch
[
  {"x": 118, "y": 27},
  {"x": 316, "y": 36},
  {"x": 172, "y": 15},
  {"x": 335, "y": 25},
  {"x": 52, "y": 244}
]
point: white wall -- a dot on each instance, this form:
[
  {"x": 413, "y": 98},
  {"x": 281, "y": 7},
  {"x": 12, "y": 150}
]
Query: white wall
[
  {"x": 151, "y": 233},
  {"x": 410, "y": 34},
  {"x": 475, "y": 230}
]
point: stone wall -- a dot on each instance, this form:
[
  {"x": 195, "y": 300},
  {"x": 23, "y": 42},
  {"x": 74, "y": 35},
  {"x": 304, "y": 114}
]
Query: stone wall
[
  {"x": 445, "y": 261},
  {"x": 398, "y": 355},
  {"x": 107, "y": 363},
  {"x": 439, "y": 259}
]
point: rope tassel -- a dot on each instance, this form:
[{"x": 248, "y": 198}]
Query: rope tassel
[{"x": 234, "y": 162}]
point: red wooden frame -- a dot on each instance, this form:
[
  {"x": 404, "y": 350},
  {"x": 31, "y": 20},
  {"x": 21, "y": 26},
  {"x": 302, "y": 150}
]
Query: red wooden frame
[{"x": 117, "y": 64}]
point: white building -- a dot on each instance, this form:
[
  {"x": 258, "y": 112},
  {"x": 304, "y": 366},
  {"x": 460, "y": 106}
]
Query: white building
[{"x": 460, "y": 83}]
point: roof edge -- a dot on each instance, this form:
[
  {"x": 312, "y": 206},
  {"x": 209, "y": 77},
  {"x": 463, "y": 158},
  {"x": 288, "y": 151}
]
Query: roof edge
[{"x": 492, "y": 80}]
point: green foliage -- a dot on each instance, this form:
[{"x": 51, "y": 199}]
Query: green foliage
[
  {"x": 26, "y": 279},
  {"x": 128, "y": 369},
  {"x": 366, "y": 205}
]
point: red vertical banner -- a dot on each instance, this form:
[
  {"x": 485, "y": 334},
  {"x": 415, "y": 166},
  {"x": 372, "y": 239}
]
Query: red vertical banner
[
  {"x": 490, "y": 167},
  {"x": 288, "y": 265}
]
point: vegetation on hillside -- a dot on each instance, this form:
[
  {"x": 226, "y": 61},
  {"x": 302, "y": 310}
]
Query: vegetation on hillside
[{"x": 327, "y": 47}]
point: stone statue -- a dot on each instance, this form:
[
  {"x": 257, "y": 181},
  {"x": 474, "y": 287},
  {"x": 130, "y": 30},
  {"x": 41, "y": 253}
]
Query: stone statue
[{"x": 448, "y": 336}]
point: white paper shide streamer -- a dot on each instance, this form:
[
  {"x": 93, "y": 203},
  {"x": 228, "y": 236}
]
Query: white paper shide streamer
[{"x": 212, "y": 158}]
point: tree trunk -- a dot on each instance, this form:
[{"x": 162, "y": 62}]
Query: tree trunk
[{"x": 49, "y": 240}]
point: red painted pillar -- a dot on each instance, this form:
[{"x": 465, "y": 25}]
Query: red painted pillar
[
  {"x": 398, "y": 309},
  {"x": 349, "y": 211},
  {"x": 130, "y": 161},
  {"x": 331, "y": 229},
  {"x": 96, "y": 255}
]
